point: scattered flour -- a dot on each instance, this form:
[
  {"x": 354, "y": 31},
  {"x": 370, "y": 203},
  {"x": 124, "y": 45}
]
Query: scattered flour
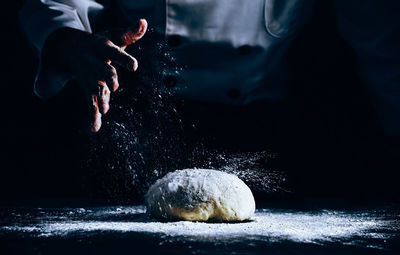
[{"x": 267, "y": 225}]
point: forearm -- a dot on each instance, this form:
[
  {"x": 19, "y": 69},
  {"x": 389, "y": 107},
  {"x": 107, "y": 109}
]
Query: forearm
[{"x": 41, "y": 22}]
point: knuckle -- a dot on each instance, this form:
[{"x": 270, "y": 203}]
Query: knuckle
[
  {"x": 115, "y": 85},
  {"x": 108, "y": 42},
  {"x": 106, "y": 91},
  {"x": 101, "y": 84},
  {"x": 112, "y": 71},
  {"x": 112, "y": 49}
]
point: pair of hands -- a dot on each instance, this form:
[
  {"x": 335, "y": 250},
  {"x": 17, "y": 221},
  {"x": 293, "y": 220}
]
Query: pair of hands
[{"x": 92, "y": 58}]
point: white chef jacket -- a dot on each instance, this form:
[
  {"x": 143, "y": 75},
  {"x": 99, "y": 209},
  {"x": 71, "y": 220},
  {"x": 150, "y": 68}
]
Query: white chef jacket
[{"x": 237, "y": 45}]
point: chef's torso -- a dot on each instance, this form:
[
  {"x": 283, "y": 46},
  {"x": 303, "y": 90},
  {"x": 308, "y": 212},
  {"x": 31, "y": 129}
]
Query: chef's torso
[{"x": 231, "y": 50}]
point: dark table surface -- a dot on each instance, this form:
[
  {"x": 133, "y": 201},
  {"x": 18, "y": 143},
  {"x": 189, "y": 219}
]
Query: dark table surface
[{"x": 372, "y": 229}]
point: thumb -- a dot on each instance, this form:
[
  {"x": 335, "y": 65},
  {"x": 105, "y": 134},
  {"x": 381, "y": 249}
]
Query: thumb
[{"x": 126, "y": 36}]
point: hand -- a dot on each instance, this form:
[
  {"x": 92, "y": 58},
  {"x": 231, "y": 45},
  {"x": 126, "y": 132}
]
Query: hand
[{"x": 91, "y": 58}]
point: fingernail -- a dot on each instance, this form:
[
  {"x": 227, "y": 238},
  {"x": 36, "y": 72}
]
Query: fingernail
[
  {"x": 143, "y": 21},
  {"x": 135, "y": 65},
  {"x": 142, "y": 25}
]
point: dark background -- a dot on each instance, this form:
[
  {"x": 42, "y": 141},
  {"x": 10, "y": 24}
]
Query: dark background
[{"x": 333, "y": 144}]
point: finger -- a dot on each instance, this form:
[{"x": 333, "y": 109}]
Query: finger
[
  {"x": 104, "y": 71},
  {"x": 103, "y": 97},
  {"x": 127, "y": 36},
  {"x": 111, "y": 76},
  {"x": 95, "y": 115},
  {"x": 112, "y": 73},
  {"x": 120, "y": 57},
  {"x": 86, "y": 79}
]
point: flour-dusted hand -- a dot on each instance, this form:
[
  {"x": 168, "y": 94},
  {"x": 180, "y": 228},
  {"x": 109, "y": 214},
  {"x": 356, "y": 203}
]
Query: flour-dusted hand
[{"x": 91, "y": 58}]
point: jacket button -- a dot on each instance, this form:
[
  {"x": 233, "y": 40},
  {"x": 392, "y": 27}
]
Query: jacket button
[
  {"x": 174, "y": 40},
  {"x": 233, "y": 93},
  {"x": 170, "y": 81},
  {"x": 244, "y": 50}
]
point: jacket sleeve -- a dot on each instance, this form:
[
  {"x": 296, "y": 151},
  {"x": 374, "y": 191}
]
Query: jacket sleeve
[
  {"x": 39, "y": 18},
  {"x": 372, "y": 29}
]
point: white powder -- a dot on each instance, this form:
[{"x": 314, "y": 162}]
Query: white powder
[{"x": 269, "y": 225}]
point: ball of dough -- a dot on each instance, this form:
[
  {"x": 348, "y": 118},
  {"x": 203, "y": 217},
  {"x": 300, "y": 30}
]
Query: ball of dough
[{"x": 200, "y": 195}]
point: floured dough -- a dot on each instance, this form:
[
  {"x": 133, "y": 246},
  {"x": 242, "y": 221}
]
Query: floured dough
[{"x": 200, "y": 195}]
